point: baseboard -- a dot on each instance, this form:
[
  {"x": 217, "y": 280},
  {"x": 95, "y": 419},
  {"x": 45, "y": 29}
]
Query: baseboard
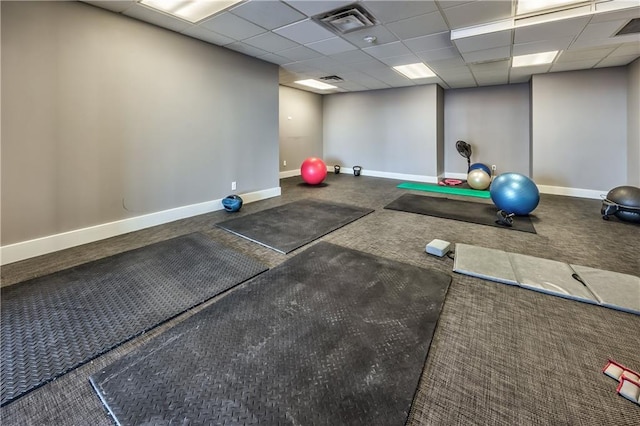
[
  {"x": 290, "y": 173},
  {"x": 39, "y": 246},
  {"x": 572, "y": 192},
  {"x": 389, "y": 175}
]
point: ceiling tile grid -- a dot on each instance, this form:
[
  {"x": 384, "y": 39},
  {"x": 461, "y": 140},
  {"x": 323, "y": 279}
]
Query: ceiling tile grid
[{"x": 289, "y": 33}]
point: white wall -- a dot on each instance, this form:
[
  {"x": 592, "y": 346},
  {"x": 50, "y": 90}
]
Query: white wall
[
  {"x": 633, "y": 127},
  {"x": 105, "y": 118},
  {"x": 300, "y": 128},
  {"x": 495, "y": 121},
  {"x": 384, "y": 131},
  {"x": 579, "y": 129}
]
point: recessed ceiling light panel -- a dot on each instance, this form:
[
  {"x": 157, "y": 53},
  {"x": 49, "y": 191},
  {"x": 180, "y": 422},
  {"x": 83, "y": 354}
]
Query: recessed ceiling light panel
[
  {"x": 189, "y": 10},
  {"x": 414, "y": 71},
  {"x": 315, "y": 84},
  {"x": 525, "y": 7},
  {"x": 534, "y": 59}
]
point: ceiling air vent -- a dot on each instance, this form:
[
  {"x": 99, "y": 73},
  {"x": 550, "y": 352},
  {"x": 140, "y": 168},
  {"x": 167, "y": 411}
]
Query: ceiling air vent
[
  {"x": 632, "y": 27},
  {"x": 347, "y": 19},
  {"x": 332, "y": 78}
]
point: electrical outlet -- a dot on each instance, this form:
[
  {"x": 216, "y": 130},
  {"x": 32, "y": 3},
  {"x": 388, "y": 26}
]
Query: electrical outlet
[
  {"x": 233, "y": 186},
  {"x": 493, "y": 167},
  {"x": 284, "y": 163}
]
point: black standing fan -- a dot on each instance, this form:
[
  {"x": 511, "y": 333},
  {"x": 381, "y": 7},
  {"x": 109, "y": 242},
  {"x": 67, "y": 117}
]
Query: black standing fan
[{"x": 464, "y": 149}]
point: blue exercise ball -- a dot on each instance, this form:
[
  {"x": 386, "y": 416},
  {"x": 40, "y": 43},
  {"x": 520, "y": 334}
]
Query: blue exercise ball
[
  {"x": 480, "y": 166},
  {"x": 514, "y": 193}
]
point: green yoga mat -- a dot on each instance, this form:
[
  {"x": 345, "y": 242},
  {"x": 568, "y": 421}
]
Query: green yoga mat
[{"x": 429, "y": 187}]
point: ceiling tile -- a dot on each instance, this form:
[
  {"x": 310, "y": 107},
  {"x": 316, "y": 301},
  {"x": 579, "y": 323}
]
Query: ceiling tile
[
  {"x": 616, "y": 61},
  {"x": 626, "y": 14},
  {"x": 331, "y": 46},
  {"x": 351, "y": 57},
  {"x": 267, "y": 14},
  {"x": 542, "y": 46},
  {"x": 363, "y": 79},
  {"x": 208, "y": 36},
  {"x": 453, "y": 73},
  {"x": 367, "y": 65},
  {"x": 113, "y": 5},
  {"x": 462, "y": 83},
  {"x": 448, "y": 64},
  {"x": 498, "y": 67},
  {"x": 391, "y": 11},
  {"x": 477, "y": 12},
  {"x": 627, "y": 49},
  {"x": 311, "y": 8},
  {"x": 519, "y": 72},
  {"x": 387, "y": 50},
  {"x": 484, "y": 41},
  {"x": 575, "y": 65},
  {"x": 239, "y": 46},
  {"x": 382, "y": 35},
  {"x": 304, "y": 32},
  {"x": 151, "y": 16},
  {"x": 350, "y": 86},
  {"x": 232, "y": 26},
  {"x": 440, "y": 54},
  {"x": 274, "y": 59},
  {"x": 550, "y": 30},
  {"x": 487, "y": 55},
  {"x": 389, "y": 76},
  {"x": 271, "y": 42},
  {"x": 327, "y": 65},
  {"x": 492, "y": 79},
  {"x": 602, "y": 30},
  {"x": 583, "y": 42},
  {"x": 582, "y": 54},
  {"x": 418, "y": 26},
  {"x": 430, "y": 42},
  {"x": 299, "y": 53}
]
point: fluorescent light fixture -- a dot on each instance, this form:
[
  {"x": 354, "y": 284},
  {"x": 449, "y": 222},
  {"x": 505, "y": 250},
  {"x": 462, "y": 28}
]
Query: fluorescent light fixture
[
  {"x": 315, "y": 84},
  {"x": 534, "y": 59},
  {"x": 189, "y": 10},
  {"x": 414, "y": 71},
  {"x": 489, "y": 28},
  {"x": 529, "y": 6}
]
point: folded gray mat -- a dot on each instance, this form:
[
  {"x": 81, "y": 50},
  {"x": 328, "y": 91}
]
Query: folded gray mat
[{"x": 611, "y": 289}]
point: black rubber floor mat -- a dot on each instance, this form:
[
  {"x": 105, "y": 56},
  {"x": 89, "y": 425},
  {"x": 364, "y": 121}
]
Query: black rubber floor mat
[
  {"x": 332, "y": 336},
  {"x": 290, "y": 226},
  {"x": 55, "y": 323},
  {"x": 465, "y": 211}
]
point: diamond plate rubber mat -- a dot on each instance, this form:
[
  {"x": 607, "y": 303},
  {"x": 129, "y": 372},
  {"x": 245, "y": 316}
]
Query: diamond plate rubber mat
[
  {"x": 332, "y": 336},
  {"x": 55, "y": 323},
  {"x": 290, "y": 226},
  {"x": 465, "y": 211}
]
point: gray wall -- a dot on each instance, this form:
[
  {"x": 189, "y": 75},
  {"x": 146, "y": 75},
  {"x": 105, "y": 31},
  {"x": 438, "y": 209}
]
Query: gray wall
[
  {"x": 633, "y": 127},
  {"x": 106, "y": 118},
  {"x": 393, "y": 130},
  {"x": 579, "y": 128},
  {"x": 495, "y": 121},
  {"x": 300, "y": 127}
]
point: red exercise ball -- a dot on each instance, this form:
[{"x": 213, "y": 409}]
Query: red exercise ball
[{"x": 313, "y": 170}]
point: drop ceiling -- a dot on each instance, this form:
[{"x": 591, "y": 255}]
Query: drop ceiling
[{"x": 289, "y": 34}]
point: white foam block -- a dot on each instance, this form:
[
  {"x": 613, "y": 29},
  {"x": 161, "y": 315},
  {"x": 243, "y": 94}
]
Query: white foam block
[{"x": 438, "y": 247}]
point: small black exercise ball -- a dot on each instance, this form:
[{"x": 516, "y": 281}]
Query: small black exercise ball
[
  {"x": 232, "y": 203},
  {"x": 622, "y": 202}
]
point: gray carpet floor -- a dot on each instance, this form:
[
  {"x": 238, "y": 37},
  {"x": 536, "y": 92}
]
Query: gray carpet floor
[{"x": 500, "y": 355}]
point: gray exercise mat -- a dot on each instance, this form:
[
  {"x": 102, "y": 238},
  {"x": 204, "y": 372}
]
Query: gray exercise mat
[
  {"x": 332, "y": 336},
  {"x": 58, "y": 322},
  {"x": 611, "y": 289},
  {"x": 465, "y": 211},
  {"x": 486, "y": 263},
  {"x": 290, "y": 226}
]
